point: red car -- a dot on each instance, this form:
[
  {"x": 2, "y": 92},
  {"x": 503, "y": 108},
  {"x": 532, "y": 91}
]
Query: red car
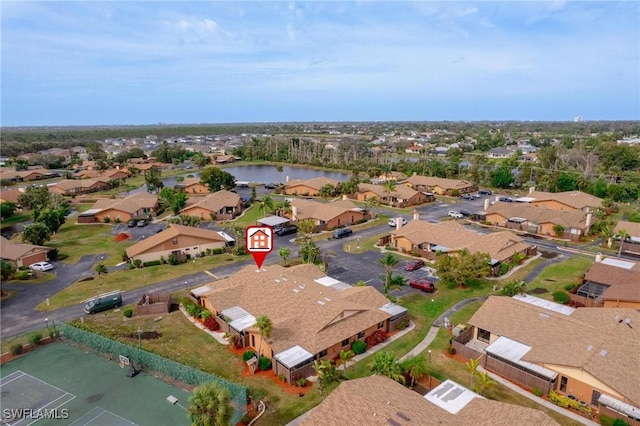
[
  {"x": 414, "y": 266},
  {"x": 423, "y": 285}
]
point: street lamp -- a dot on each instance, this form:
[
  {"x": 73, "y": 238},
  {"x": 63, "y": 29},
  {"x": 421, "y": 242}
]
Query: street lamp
[
  {"x": 194, "y": 264},
  {"x": 139, "y": 338},
  {"x": 53, "y": 323},
  {"x": 185, "y": 285},
  {"x": 46, "y": 321},
  {"x": 429, "y": 351}
]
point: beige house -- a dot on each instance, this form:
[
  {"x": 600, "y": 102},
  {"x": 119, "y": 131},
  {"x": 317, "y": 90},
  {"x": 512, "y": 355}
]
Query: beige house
[
  {"x": 568, "y": 200},
  {"x": 137, "y": 206},
  {"x": 10, "y": 196},
  {"x": 587, "y": 354},
  {"x": 221, "y": 205},
  {"x": 632, "y": 244},
  {"x": 327, "y": 216},
  {"x": 71, "y": 187},
  {"x": 539, "y": 220},
  {"x": 309, "y": 187},
  {"x": 401, "y": 196},
  {"x": 392, "y": 176},
  {"x": 609, "y": 284},
  {"x": 313, "y": 316},
  {"x": 182, "y": 241},
  {"x": 22, "y": 254},
  {"x": 378, "y": 400},
  {"x": 429, "y": 239},
  {"x": 441, "y": 186},
  {"x": 193, "y": 186}
]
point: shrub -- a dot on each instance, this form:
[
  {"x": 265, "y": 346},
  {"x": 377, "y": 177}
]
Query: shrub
[
  {"x": 561, "y": 297},
  {"x": 51, "y": 334},
  {"x": 53, "y": 254},
  {"x": 107, "y": 220},
  {"x": 127, "y": 313},
  {"x": 117, "y": 221},
  {"x": 211, "y": 323},
  {"x": 301, "y": 382},
  {"x": 137, "y": 263},
  {"x": 282, "y": 378},
  {"x": 173, "y": 259},
  {"x": 124, "y": 257},
  {"x": 451, "y": 350},
  {"x": 22, "y": 275},
  {"x": 217, "y": 250},
  {"x": 390, "y": 248},
  {"x": 34, "y": 338},
  {"x": 247, "y": 355},
  {"x": 358, "y": 347},
  {"x": 16, "y": 349},
  {"x": 404, "y": 323},
  {"x": 264, "y": 363},
  {"x": 569, "y": 287},
  {"x": 209, "y": 252},
  {"x": 537, "y": 392},
  {"x": 152, "y": 263},
  {"x": 504, "y": 268}
]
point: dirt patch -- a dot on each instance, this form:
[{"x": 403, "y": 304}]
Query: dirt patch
[
  {"x": 538, "y": 290},
  {"x": 548, "y": 254},
  {"x": 145, "y": 335}
]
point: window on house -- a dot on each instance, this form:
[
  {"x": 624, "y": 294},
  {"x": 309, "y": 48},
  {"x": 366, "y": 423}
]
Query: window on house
[
  {"x": 345, "y": 342},
  {"x": 595, "y": 396},
  {"x": 253, "y": 340},
  {"x": 361, "y": 335},
  {"x": 322, "y": 354},
  {"x": 484, "y": 335},
  {"x": 174, "y": 241},
  {"x": 563, "y": 384},
  {"x": 380, "y": 325}
]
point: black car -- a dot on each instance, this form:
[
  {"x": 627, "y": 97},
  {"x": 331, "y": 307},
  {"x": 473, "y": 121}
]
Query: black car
[
  {"x": 506, "y": 200},
  {"x": 132, "y": 223},
  {"x": 465, "y": 213},
  {"x": 342, "y": 232},
  {"x": 270, "y": 186},
  {"x": 484, "y": 192},
  {"x": 286, "y": 230}
]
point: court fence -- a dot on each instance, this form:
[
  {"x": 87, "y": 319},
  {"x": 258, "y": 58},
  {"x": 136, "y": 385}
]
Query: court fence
[{"x": 158, "y": 363}]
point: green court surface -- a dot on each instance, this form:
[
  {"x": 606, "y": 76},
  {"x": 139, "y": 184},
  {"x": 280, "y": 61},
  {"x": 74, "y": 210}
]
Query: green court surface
[{"x": 64, "y": 385}]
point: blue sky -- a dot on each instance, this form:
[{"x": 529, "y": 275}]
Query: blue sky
[{"x": 126, "y": 62}]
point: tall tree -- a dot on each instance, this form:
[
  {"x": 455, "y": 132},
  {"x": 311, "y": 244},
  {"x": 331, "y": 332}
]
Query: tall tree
[
  {"x": 472, "y": 368},
  {"x": 345, "y": 357},
  {"x": 152, "y": 178},
  {"x": 210, "y": 405},
  {"x": 417, "y": 368},
  {"x": 388, "y": 261},
  {"x": 284, "y": 253},
  {"x": 622, "y": 236},
  {"x": 327, "y": 374},
  {"x": 389, "y": 188},
  {"x": 327, "y": 191},
  {"x": 36, "y": 234},
  {"x": 101, "y": 270},
  {"x": 460, "y": 269},
  {"x": 266, "y": 203},
  {"x": 265, "y": 326},
  {"x": 502, "y": 177},
  {"x": 217, "y": 179}
]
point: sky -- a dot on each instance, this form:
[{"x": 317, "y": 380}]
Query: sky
[{"x": 177, "y": 62}]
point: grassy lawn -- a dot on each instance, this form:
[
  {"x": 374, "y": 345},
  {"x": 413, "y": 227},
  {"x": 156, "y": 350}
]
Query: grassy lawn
[
  {"x": 249, "y": 216},
  {"x": 131, "y": 279},
  {"x": 80, "y": 240},
  {"x": 17, "y": 218},
  {"x": 39, "y": 278},
  {"x": 556, "y": 277}
]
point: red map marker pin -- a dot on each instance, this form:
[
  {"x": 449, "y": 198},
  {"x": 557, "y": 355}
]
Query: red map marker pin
[{"x": 259, "y": 242}]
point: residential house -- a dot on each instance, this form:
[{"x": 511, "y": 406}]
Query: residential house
[
  {"x": 10, "y": 196},
  {"x": 500, "y": 152},
  {"x": 531, "y": 157},
  {"x": 327, "y": 216},
  {"x": 310, "y": 187},
  {"x": 379, "y": 400},
  {"x": 138, "y": 206},
  {"x": 401, "y": 196},
  {"x": 224, "y": 159},
  {"x": 630, "y": 245},
  {"x": 221, "y": 205},
  {"x": 539, "y": 220},
  {"x": 430, "y": 239},
  {"x": 413, "y": 149},
  {"x": 609, "y": 283},
  {"x": 22, "y": 255},
  {"x": 313, "y": 316},
  {"x": 72, "y": 187},
  {"x": 178, "y": 240},
  {"x": 587, "y": 354},
  {"x": 31, "y": 174},
  {"x": 441, "y": 186},
  {"x": 392, "y": 176},
  {"x": 567, "y": 200},
  {"x": 193, "y": 186},
  {"x": 64, "y": 154}
]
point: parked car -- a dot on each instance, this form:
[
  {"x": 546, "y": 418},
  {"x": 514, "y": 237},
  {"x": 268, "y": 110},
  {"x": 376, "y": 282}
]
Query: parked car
[
  {"x": 465, "y": 213},
  {"x": 414, "y": 266},
  {"x": 132, "y": 223},
  {"x": 455, "y": 214},
  {"x": 103, "y": 302},
  {"x": 286, "y": 230},
  {"x": 485, "y": 192},
  {"x": 342, "y": 232},
  {"x": 392, "y": 221},
  {"x": 506, "y": 199},
  {"x": 142, "y": 223},
  {"x": 270, "y": 186},
  {"x": 41, "y": 266},
  {"x": 423, "y": 285},
  {"x": 467, "y": 196}
]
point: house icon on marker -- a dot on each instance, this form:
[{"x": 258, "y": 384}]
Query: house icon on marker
[{"x": 259, "y": 240}]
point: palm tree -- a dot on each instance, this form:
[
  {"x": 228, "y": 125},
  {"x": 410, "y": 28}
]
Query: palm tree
[
  {"x": 327, "y": 191},
  {"x": 385, "y": 364},
  {"x": 345, "y": 356},
  {"x": 472, "y": 368},
  {"x": 485, "y": 382},
  {"x": 210, "y": 405},
  {"x": 388, "y": 261},
  {"x": 325, "y": 259},
  {"x": 284, "y": 252},
  {"x": 327, "y": 374},
  {"x": 101, "y": 270},
  {"x": 623, "y": 236},
  {"x": 389, "y": 187},
  {"x": 265, "y": 326},
  {"x": 417, "y": 368},
  {"x": 283, "y": 207},
  {"x": 266, "y": 202}
]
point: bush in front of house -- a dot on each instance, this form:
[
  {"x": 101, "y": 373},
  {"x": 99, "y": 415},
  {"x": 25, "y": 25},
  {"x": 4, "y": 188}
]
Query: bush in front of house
[
  {"x": 34, "y": 338},
  {"x": 247, "y": 355},
  {"x": 217, "y": 250},
  {"x": 211, "y": 323},
  {"x": 358, "y": 347},
  {"x": 561, "y": 297},
  {"x": 264, "y": 363},
  {"x": 16, "y": 349},
  {"x": 152, "y": 263},
  {"x": 127, "y": 313},
  {"x": 537, "y": 392},
  {"x": 22, "y": 275}
]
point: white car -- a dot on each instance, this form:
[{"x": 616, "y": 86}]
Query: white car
[
  {"x": 455, "y": 214},
  {"x": 41, "y": 266},
  {"x": 392, "y": 221}
]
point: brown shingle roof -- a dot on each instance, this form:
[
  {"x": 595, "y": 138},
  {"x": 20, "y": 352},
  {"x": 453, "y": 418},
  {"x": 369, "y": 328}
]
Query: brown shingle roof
[
  {"x": 168, "y": 234},
  {"x": 321, "y": 211},
  {"x": 624, "y": 283},
  {"x": 213, "y": 202},
  {"x": 632, "y": 228},
  {"x": 14, "y": 251},
  {"x": 375, "y": 399},
  {"x": 315, "y": 183},
  {"x": 290, "y": 298},
  {"x": 443, "y": 183},
  {"x": 575, "y": 199},
  {"x": 401, "y": 191},
  {"x": 67, "y": 184},
  {"x": 539, "y": 215},
  {"x": 558, "y": 339},
  {"x": 130, "y": 204},
  {"x": 10, "y": 196}
]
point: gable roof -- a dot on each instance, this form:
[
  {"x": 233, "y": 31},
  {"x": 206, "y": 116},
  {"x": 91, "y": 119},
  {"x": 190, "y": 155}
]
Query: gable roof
[
  {"x": 14, "y": 251},
  {"x": 130, "y": 204},
  {"x": 304, "y": 311},
  {"x": 633, "y": 228},
  {"x": 322, "y": 211},
  {"x": 67, "y": 184},
  {"x": 624, "y": 284},
  {"x": 315, "y": 183},
  {"x": 443, "y": 183},
  {"x": 577, "y": 340},
  {"x": 173, "y": 231},
  {"x": 400, "y": 191},
  {"x": 213, "y": 202},
  {"x": 10, "y": 195},
  {"x": 375, "y": 400},
  {"x": 539, "y": 214},
  {"x": 188, "y": 182},
  {"x": 575, "y": 199}
]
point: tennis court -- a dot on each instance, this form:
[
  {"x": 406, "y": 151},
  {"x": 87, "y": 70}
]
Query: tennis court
[{"x": 60, "y": 384}]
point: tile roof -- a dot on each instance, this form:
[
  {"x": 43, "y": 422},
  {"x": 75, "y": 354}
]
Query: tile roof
[
  {"x": 213, "y": 202},
  {"x": 575, "y": 199},
  {"x": 539, "y": 215},
  {"x": 130, "y": 204},
  {"x": 574, "y": 340},
  {"x": 633, "y": 228},
  {"x": 402, "y": 192},
  {"x": 315, "y": 183},
  {"x": 624, "y": 283},
  {"x": 171, "y": 232},
  {"x": 438, "y": 181},
  {"x": 303, "y": 312},
  {"x": 375, "y": 399},
  {"x": 14, "y": 251}
]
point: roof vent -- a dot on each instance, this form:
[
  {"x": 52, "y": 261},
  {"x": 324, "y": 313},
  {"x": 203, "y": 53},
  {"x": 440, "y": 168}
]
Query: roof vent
[
  {"x": 327, "y": 299},
  {"x": 628, "y": 322},
  {"x": 320, "y": 302},
  {"x": 402, "y": 416},
  {"x": 617, "y": 318},
  {"x": 603, "y": 353},
  {"x": 277, "y": 281},
  {"x": 545, "y": 316},
  {"x": 295, "y": 290},
  {"x": 590, "y": 348}
]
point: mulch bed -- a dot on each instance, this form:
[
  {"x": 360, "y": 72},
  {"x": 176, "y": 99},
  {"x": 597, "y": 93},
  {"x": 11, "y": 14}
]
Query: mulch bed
[
  {"x": 145, "y": 335},
  {"x": 122, "y": 236}
]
